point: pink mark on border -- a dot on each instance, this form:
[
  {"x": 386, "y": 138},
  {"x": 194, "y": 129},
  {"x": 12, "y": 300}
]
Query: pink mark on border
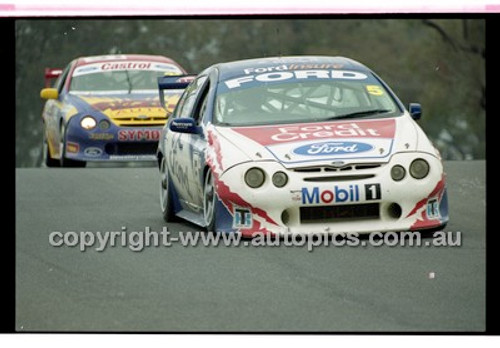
[
  {"x": 7, "y": 7},
  {"x": 61, "y": 10},
  {"x": 493, "y": 8}
]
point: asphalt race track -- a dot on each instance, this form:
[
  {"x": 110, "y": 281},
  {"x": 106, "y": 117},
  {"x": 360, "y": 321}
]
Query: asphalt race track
[{"x": 198, "y": 289}]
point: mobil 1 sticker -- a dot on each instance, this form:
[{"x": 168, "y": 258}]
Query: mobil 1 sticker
[{"x": 372, "y": 192}]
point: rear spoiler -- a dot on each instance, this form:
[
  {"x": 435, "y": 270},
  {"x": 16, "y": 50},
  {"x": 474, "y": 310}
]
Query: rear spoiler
[
  {"x": 51, "y": 73},
  {"x": 173, "y": 82}
]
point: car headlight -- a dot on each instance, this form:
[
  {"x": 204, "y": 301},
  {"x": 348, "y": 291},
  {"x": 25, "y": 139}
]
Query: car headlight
[
  {"x": 398, "y": 172},
  {"x": 280, "y": 179},
  {"x": 419, "y": 168},
  {"x": 254, "y": 177},
  {"x": 88, "y": 123}
]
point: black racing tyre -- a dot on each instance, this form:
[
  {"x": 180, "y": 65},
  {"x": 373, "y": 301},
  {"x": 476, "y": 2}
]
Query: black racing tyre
[
  {"x": 209, "y": 202},
  {"x": 47, "y": 160},
  {"x": 166, "y": 201}
]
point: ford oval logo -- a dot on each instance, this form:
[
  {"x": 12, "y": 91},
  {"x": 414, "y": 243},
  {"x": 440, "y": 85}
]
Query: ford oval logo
[
  {"x": 332, "y": 148},
  {"x": 93, "y": 151}
]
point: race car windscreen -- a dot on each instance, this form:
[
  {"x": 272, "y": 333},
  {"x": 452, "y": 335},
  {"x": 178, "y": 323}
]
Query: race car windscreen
[
  {"x": 301, "y": 96},
  {"x": 128, "y": 77}
]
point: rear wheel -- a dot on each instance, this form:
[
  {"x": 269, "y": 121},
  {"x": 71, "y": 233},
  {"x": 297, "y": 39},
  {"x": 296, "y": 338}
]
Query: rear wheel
[
  {"x": 67, "y": 162},
  {"x": 166, "y": 202},
  {"x": 209, "y": 200}
]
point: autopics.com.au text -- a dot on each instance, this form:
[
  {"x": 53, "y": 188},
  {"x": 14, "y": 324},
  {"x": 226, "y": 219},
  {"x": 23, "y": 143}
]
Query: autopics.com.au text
[{"x": 138, "y": 240}]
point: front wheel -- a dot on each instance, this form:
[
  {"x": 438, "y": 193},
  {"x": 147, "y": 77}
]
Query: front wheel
[
  {"x": 67, "y": 162},
  {"x": 209, "y": 202},
  {"x": 166, "y": 202},
  {"x": 47, "y": 159}
]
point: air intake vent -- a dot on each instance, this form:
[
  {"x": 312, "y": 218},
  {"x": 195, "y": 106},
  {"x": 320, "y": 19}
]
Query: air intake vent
[
  {"x": 328, "y": 169},
  {"x": 339, "y": 213},
  {"x": 339, "y": 178},
  {"x": 308, "y": 170},
  {"x": 146, "y": 148}
]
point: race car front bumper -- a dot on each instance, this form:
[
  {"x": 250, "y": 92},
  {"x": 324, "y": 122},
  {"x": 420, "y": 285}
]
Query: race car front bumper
[
  {"x": 112, "y": 144},
  {"x": 357, "y": 199}
]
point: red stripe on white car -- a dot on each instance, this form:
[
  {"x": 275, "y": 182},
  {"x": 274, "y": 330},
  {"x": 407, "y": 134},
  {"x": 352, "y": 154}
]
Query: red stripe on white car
[{"x": 272, "y": 135}]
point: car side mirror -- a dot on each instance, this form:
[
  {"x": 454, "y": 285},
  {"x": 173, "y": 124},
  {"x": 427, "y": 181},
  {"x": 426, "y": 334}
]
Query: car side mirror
[
  {"x": 415, "y": 111},
  {"x": 49, "y": 93},
  {"x": 184, "y": 125}
]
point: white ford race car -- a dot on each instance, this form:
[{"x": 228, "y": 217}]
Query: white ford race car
[{"x": 298, "y": 145}]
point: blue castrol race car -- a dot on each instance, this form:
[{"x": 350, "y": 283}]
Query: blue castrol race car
[{"x": 105, "y": 108}]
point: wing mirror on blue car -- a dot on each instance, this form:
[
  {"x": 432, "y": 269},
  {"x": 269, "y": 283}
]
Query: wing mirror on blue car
[{"x": 49, "y": 93}]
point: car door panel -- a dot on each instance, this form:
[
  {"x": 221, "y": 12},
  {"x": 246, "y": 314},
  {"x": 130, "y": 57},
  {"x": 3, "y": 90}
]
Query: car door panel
[{"x": 182, "y": 154}]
